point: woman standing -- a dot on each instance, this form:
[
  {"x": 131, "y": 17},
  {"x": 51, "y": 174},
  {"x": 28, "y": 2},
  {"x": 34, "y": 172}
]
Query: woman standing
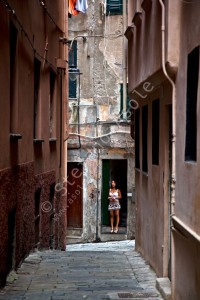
[{"x": 114, "y": 205}]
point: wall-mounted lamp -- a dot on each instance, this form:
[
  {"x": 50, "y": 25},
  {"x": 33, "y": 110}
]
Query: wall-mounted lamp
[
  {"x": 64, "y": 40},
  {"x": 73, "y": 72}
]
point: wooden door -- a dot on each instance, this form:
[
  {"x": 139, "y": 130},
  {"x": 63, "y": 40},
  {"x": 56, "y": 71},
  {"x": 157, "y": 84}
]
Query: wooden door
[{"x": 74, "y": 195}]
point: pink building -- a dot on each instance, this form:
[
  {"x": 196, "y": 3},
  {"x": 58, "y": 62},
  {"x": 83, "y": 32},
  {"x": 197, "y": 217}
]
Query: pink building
[
  {"x": 163, "y": 63},
  {"x": 32, "y": 121}
]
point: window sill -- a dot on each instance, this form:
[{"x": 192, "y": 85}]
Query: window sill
[
  {"x": 146, "y": 4},
  {"x": 137, "y": 19},
  {"x": 52, "y": 140},
  {"x": 15, "y": 136},
  {"x": 145, "y": 174},
  {"x": 37, "y": 217},
  {"x": 191, "y": 162},
  {"x": 38, "y": 141},
  {"x": 129, "y": 32}
]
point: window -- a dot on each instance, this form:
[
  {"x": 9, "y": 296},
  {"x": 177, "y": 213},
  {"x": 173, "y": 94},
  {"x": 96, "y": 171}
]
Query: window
[
  {"x": 72, "y": 65},
  {"x": 13, "y": 78},
  {"x": 52, "y": 79},
  {"x": 128, "y": 110},
  {"x": 114, "y": 7},
  {"x": 37, "y": 216},
  {"x": 51, "y": 225},
  {"x": 137, "y": 138},
  {"x": 191, "y": 105},
  {"x": 37, "y": 65},
  {"x": 155, "y": 131},
  {"x": 144, "y": 138}
]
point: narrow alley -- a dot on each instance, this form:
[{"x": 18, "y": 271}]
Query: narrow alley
[
  {"x": 111, "y": 270},
  {"x": 100, "y": 149}
]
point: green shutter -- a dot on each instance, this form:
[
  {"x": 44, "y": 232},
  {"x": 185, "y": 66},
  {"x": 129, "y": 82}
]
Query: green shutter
[
  {"x": 114, "y": 7},
  {"x": 72, "y": 58},
  {"x": 105, "y": 191},
  {"x": 72, "y": 89}
]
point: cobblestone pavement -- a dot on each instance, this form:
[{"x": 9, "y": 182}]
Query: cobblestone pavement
[{"x": 111, "y": 270}]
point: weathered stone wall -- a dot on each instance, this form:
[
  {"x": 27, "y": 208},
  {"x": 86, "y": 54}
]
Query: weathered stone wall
[{"x": 99, "y": 47}]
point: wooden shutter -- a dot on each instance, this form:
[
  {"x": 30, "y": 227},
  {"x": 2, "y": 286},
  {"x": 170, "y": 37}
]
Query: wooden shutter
[
  {"x": 114, "y": 7},
  {"x": 105, "y": 191}
]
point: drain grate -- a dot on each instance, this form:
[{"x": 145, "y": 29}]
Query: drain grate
[{"x": 136, "y": 295}]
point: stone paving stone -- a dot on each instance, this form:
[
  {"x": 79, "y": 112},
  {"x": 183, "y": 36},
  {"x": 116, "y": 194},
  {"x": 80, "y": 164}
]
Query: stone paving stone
[{"x": 89, "y": 271}]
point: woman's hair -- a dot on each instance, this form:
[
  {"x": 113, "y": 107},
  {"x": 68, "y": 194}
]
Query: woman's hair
[{"x": 114, "y": 182}]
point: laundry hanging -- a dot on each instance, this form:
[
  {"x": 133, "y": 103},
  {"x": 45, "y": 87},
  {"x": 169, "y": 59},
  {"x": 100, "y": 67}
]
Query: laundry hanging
[
  {"x": 81, "y": 5},
  {"x": 71, "y": 7}
]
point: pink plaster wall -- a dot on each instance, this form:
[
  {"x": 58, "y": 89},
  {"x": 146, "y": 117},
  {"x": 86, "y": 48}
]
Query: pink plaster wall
[
  {"x": 187, "y": 206},
  {"x": 182, "y": 36},
  {"x": 24, "y": 165},
  {"x": 187, "y": 272},
  {"x": 152, "y": 192}
]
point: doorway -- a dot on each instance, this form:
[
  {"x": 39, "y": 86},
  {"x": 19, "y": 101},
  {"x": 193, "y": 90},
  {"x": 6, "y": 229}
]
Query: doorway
[
  {"x": 114, "y": 169},
  {"x": 11, "y": 239},
  {"x": 74, "y": 195}
]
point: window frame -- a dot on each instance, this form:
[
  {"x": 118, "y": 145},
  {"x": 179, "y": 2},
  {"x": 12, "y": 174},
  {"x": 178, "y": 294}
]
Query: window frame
[
  {"x": 191, "y": 105},
  {"x": 114, "y": 8}
]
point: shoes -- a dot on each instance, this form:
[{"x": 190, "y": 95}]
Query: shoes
[
  {"x": 116, "y": 231},
  {"x": 111, "y": 231}
]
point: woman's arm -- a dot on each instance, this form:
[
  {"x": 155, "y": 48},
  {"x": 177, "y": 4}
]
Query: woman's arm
[{"x": 119, "y": 194}]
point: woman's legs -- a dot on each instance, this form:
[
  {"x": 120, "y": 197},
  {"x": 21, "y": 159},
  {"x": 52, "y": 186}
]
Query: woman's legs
[
  {"x": 111, "y": 219},
  {"x": 117, "y": 219}
]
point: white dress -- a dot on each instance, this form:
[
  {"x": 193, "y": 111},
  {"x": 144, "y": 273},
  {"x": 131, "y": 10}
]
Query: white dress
[{"x": 114, "y": 205}]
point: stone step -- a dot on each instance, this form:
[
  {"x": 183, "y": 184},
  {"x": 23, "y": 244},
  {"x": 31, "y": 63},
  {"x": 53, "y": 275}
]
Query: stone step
[
  {"x": 113, "y": 237},
  {"x": 72, "y": 231},
  {"x": 73, "y": 240}
]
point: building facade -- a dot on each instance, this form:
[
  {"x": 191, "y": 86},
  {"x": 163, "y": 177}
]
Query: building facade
[
  {"x": 100, "y": 147},
  {"x": 163, "y": 76},
  {"x": 33, "y": 128}
]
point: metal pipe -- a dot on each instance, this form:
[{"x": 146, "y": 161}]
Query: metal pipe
[
  {"x": 173, "y": 174},
  {"x": 97, "y": 197},
  {"x": 124, "y": 60},
  {"x": 97, "y": 137},
  {"x": 173, "y": 140}
]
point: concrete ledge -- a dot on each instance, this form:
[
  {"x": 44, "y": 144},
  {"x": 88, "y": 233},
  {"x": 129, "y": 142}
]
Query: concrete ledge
[
  {"x": 105, "y": 237},
  {"x": 163, "y": 285}
]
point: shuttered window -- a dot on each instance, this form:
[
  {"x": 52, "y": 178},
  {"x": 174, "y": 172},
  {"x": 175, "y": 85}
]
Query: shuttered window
[
  {"x": 155, "y": 131},
  {"x": 128, "y": 107},
  {"x": 72, "y": 64},
  {"x": 114, "y": 7},
  {"x": 144, "y": 138},
  {"x": 137, "y": 138}
]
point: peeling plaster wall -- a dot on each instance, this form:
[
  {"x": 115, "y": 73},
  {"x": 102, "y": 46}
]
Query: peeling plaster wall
[{"x": 99, "y": 47}]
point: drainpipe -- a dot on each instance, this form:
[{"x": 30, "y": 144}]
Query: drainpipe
[
  {"x": 97, "y": 194},
  {"x": 173, "y": 137},
  {"x": 97, "y": 197},
  {"x": 124, "y": 60}
]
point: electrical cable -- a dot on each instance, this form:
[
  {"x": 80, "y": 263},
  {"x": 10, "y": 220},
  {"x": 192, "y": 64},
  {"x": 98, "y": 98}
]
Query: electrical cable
[
  {"x": 48, "y": 14},
  {"x": 13, "y": 13},
  {"x": 97, "y": 137}
]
